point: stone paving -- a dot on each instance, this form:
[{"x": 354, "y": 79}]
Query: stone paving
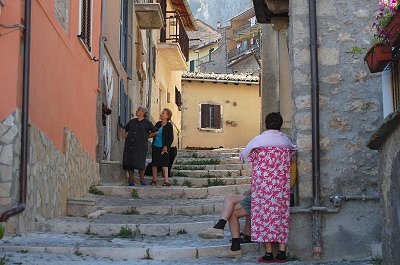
[
  {"x": 57, "y": 259},
  {"x": 139, "y": 225}
]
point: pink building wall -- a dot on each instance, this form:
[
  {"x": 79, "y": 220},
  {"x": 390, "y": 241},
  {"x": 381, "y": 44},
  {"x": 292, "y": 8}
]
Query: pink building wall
[{"x": 63, "y": 76}]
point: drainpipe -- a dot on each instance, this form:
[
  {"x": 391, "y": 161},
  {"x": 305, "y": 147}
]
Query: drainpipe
[
  {"x": 24, "y": 124},
  {"x": 316, "y": 224},
  {"x": 150, "y": 71}
]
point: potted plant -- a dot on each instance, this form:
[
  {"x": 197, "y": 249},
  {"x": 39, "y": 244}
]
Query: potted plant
[
  {"x": 378, "y": 57},
  {"x": 380, "y": 53},
  {"x": 388, "y": 22}
]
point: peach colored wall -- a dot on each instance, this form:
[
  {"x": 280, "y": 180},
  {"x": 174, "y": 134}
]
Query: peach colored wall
[
  {"x": 63, "y": 78},
  {"x": 10, "y": 59}
]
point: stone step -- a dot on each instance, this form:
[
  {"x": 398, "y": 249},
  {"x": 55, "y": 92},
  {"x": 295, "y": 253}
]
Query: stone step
[
  {"x": 183, "y": 248},
  {"x": 110, "y": 225},
  {"x": 115, "y": 205},
  {"x": 205, "y": 180},
  {"x": 172, "y": 192},
  {"x": 208, "y": 173},
  {"x": 212, "y": 167}
]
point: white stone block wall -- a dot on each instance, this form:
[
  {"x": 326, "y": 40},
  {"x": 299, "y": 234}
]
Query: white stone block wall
[{"x": 53, "y": 175}]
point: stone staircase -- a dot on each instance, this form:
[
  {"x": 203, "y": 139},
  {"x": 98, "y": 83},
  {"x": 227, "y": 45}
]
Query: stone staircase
[{"x": 158, "y": 223}]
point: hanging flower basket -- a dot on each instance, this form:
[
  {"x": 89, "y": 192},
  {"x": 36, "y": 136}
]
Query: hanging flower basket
[
  {"x": 392, "y": 31},
  {"x": 378, "y": 57}
]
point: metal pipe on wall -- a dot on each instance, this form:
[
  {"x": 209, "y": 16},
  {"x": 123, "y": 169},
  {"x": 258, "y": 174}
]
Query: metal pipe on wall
[
  {"x": 23, "y": 175},
  {"x": 316, "y": 231}
]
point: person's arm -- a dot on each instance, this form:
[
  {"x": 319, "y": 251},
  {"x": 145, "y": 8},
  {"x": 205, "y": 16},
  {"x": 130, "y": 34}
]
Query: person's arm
[
  {"x": 170, "y": 135},
  {"x": 152, "y": 134},
  {"x": 124, "y": 134},
  {"x": 124, "y": 130}
]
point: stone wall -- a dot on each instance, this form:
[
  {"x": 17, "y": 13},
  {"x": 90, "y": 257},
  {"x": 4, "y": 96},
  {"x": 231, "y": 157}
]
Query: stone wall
[
  {"x": 53, "y": 175},
  {"x": 387, "y": 141},
  {"x": 248, "y": 65},
  {"x": 61, "y": 10},
  {"x": 218, "y": 62},
  {"x": 350, "y": 109}
]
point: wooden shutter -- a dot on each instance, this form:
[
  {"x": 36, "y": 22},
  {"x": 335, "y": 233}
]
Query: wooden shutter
[
  {"x": 395, "y": 73},
  {"x": 217, "y": 116},
  {"x": 122, "y": 109},
  {"x": 130, "y": 40},
  {"x": 205, "y": 115}
]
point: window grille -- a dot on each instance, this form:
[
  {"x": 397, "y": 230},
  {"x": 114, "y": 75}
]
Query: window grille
[{"x": 86, "y": 24}]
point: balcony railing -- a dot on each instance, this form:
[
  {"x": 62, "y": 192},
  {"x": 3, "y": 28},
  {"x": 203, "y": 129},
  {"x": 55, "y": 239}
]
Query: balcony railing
[
  {"x": 174, "y": 32},
  {"x": 237, "y": 52},
  {"x": 244, "y": 29}
]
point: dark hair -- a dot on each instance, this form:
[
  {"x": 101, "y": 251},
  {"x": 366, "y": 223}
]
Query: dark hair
[{"x": 273, "y": 121}]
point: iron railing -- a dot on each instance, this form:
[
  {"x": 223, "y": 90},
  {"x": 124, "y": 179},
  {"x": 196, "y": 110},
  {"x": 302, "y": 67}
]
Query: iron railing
[
  {"x": 174, "y": 32},
  {"x": 246, "y": 27},
  {"x": 237, "y": 52}
]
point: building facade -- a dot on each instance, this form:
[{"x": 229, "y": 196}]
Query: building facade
[
  {"x": 219, "y": 110},
  {"x": 63, "y": 88},
  {"x": 243, "y": 40},
  {"x": 145, "y": 49},
  {"x": 202, "y": 44},
  {"x": 336, "y": 105}
]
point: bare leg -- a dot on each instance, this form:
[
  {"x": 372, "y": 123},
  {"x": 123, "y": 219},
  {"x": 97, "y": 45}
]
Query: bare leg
[
  {"x": 229, "y": 205},
  {"x": 131, "y": 174},
  {"x": 155, "y": 173},
  {"x": 282, "y": 247},
  {"x": 247, "y": 226},
  {"x": 268, "y": 247},
  {"x": 165, "y": 174},
  {"x": 141, "y": 173},
  {"x": 234, "y": 224}
]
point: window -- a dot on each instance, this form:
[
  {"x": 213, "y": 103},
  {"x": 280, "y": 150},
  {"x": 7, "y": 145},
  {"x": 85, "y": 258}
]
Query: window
[
  {"x": 191, "y": 68},
  {"x": 123, "y": 34},
  {"x": 85, "y": 21},
  {"x": 210, "y": 116},
  {"x": 178, "y": 98},
  {"x": 209, "y": 54},
  {"x": 395, "y": 73}
]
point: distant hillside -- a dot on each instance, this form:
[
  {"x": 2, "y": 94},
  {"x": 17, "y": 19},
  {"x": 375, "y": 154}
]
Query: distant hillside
[{"x": 214, "y": 11}]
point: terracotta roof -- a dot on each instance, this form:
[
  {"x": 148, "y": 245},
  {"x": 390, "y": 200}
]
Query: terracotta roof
[
  {"x": 204, "y": 36},
  {"x": 244, "y": 78}
]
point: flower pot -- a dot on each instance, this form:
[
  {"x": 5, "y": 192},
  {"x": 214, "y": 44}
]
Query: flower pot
[
  {"x": 378, "y": 57},
  {"x": 392, "y": 31}
]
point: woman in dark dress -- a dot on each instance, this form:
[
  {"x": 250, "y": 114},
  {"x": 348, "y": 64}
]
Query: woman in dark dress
[
  {"x": 136, "y": 133},
  {"x": 161, "y": 147}
]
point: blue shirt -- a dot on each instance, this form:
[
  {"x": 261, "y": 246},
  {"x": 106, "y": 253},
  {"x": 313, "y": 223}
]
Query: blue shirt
[{"x": 158, "y": 139}]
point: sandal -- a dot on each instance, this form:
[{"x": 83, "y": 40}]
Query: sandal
[
  {"x": 245, "y": 238},
  {"x": 153, "y": 183},
  {"x": 166, "y": 184}
]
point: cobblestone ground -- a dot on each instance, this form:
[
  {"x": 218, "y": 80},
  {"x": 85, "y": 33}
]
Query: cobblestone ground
[{"x": 50, "y": 259}]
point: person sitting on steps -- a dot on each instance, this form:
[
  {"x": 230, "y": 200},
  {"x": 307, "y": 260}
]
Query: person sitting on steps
[{"x": 234, "y": 207}]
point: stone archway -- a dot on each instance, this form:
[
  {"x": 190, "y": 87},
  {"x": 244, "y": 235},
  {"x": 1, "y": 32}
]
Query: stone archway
[{"x": 393, "y": 215}]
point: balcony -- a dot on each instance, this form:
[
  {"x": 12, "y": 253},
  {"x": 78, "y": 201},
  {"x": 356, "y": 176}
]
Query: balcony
[
  {"x": 149, "y": 15},
  {"x": 174, "y": 42},
  {"x": 236, "y": 53},
  {"x": 245, "y": 31}
]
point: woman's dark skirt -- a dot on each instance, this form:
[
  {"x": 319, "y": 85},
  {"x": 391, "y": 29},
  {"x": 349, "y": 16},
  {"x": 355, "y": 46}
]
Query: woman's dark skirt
[{"x": 158, "y": 159}]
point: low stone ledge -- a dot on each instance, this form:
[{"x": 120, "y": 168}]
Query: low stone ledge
[{"x": 391, "y": 123}]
